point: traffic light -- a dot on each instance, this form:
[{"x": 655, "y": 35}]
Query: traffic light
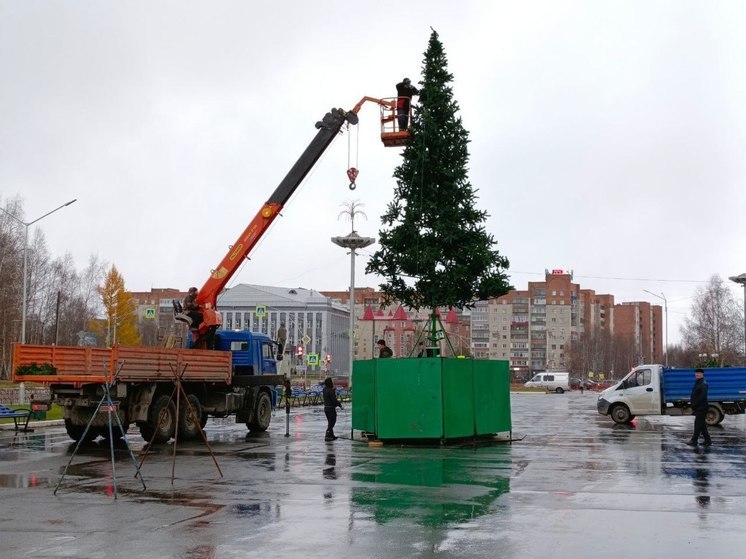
[
  {"x": 299, "y": 351},
  {"x": 328, "y": 358}
]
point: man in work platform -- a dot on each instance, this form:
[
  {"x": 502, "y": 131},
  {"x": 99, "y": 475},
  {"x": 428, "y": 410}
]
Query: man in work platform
[{"x": 404, "y": 92}]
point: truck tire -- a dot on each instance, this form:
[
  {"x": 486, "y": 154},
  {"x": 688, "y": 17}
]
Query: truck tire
[
  {"x": 559, "y": 390},
  {"x": 190, "y": 421},
  {"x": 75, "y": 432},
  {"x": 714, "y": 415},
  {"x": 620, "y": 414},
  {"x": 262, "y": 413},
  {"x": 161, "y": 423}
]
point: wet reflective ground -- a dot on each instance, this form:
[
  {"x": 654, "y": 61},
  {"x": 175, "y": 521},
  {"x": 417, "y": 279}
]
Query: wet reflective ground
[{"x": 575, "y": 485}]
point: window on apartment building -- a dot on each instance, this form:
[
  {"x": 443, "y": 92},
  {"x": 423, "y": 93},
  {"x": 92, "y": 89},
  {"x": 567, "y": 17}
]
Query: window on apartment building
[
  {"x": 562, "y": 346},
  {"x": 554, "y": 293},
  {"x": 554, "y": 346},
  {"x": 505, "y": 337}
]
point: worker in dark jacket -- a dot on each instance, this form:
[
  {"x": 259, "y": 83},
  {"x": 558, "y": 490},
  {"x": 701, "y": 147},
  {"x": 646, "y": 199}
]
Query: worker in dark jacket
[
  {"x": 699, "y": 407},
  {"x": 331, "y": 403},
  {"x": 384, "y": 351},
  {"x": 404, "y": 92},
  {"x": 192, "y": 308}
]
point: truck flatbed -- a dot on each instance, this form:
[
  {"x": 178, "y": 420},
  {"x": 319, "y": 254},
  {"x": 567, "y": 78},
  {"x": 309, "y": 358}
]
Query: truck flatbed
[{"x": 83, "y": 365}]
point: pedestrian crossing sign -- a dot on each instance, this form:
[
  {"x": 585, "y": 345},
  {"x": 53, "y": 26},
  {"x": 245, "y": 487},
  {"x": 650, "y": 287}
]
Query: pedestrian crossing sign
[
  {"x": 261, "y": 310},
  {"x": 150, "y": 313},
  {"x": 312, "y": 359}
]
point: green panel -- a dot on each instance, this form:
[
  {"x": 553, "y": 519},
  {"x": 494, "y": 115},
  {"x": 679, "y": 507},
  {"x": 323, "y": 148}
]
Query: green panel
[
  {"x": 409, "y": 399},
  {"x": 492, "y": 397},
  {"x": 458, "y": 398},
  {"x": 364, "y": 400}
]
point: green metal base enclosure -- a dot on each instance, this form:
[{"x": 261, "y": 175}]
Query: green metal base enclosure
[{"x": 431, "y": 398}]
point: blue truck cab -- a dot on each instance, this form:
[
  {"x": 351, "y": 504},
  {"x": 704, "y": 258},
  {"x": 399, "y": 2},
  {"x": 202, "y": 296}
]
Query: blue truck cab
[{"x": 253, "y": 352}]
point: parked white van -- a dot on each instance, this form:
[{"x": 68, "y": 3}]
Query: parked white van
[{"x": 555, "y": 381}]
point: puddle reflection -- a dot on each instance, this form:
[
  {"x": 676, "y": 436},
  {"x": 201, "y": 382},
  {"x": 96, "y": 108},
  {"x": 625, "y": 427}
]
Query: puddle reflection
[{"x": 435, "y": 487}]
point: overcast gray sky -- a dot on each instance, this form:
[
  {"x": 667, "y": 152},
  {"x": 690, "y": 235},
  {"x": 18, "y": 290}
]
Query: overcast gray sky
[{"x": 607, "y": 137}]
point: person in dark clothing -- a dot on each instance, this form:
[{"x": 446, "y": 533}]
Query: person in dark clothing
[
  {"x": 699, "y": 407},
  {"x": 331, "y": 403},
  {"x": 421, "y": 351},
  {"x": 404, "y": 92},
  {"x": 191, "y": 308},
  {"x": 383, "y": 350},
  {"x": 282, "y": 338}
]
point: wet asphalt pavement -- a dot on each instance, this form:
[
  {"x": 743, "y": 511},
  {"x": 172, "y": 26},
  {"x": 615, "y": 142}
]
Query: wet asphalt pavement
[{"x": 574, "y": 486}]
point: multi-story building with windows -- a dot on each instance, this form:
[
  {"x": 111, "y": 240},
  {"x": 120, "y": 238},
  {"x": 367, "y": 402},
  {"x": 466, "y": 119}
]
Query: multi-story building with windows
[
  {"x": 399, "y": 327},
  {"x": 533, "y": 328},
  {"x": 640, "y": 323},
  {"x": 315, "y": 322}
]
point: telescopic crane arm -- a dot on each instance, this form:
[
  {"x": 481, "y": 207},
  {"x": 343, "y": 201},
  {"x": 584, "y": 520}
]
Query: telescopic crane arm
[{"x": 328, "y": 128}]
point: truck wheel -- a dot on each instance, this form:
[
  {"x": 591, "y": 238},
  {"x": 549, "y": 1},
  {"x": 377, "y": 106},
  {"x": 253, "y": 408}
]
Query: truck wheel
[
  {"x": 714, "y": 416},
  {"x": 190, "y": 420},
  {"x": 161, "y": 421},
  {"x": 620, "y": 414},
  {"x": 75, "y": 432},
  {"x": 262, "y": 413},
  {"x": 559, "y": 390}
]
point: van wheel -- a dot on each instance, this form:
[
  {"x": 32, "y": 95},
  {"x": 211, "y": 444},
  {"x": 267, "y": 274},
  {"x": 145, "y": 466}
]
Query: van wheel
[
  {"x": 559, "y": 390},
  {"x": 620, "y": 414},
  {"x": 714, "y": 416}
]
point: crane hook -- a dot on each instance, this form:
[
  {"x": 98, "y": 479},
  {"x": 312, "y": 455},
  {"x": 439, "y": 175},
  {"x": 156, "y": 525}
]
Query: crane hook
[{"x": 352, "y": 174}]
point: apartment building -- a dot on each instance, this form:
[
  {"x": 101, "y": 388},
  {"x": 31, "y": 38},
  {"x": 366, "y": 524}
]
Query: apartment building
[
  {"x": 641, "y": 323},
  {"x": 533, "y": 328}
]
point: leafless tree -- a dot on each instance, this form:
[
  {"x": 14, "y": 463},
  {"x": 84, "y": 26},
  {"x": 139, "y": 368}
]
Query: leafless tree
[{"x": 715, "y": 325}]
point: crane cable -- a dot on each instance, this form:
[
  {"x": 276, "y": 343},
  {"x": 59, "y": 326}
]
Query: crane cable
[{"x": 352, "y": 171}]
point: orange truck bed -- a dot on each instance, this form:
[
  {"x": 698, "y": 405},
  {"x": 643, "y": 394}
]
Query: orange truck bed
[{"x": 83, "y": 365}]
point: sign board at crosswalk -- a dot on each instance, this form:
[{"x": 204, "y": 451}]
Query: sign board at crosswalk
[
  {"x": 261, "y": 310},
  {"x": 150, "y": 312},
  {"x": 312, "y": 359}
]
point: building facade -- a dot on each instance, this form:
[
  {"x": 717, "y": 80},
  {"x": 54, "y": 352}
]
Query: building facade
[
  {"x": 316, "y": 323},
  {"x": 533, "y": 328}
]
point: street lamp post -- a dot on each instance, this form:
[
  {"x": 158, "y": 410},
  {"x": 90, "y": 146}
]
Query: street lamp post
[
  {"x": 353, "y": 241},
  {"x": 665, "y": 311},
  {"x": 25, "y": 259},
  {"x": 742, "y": 280}
]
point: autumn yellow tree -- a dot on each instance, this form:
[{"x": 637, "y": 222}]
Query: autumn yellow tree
[{"x": 120, "y": 323}]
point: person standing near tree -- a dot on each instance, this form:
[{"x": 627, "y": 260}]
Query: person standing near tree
[
  {"x": 383, "y": 350},
  {"x": 699, "y": 407},
  {"x": 404, "y": 92}
]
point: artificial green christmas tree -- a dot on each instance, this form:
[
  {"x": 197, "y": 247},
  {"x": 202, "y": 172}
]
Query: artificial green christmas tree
[{"x": 435, "y": 250}]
